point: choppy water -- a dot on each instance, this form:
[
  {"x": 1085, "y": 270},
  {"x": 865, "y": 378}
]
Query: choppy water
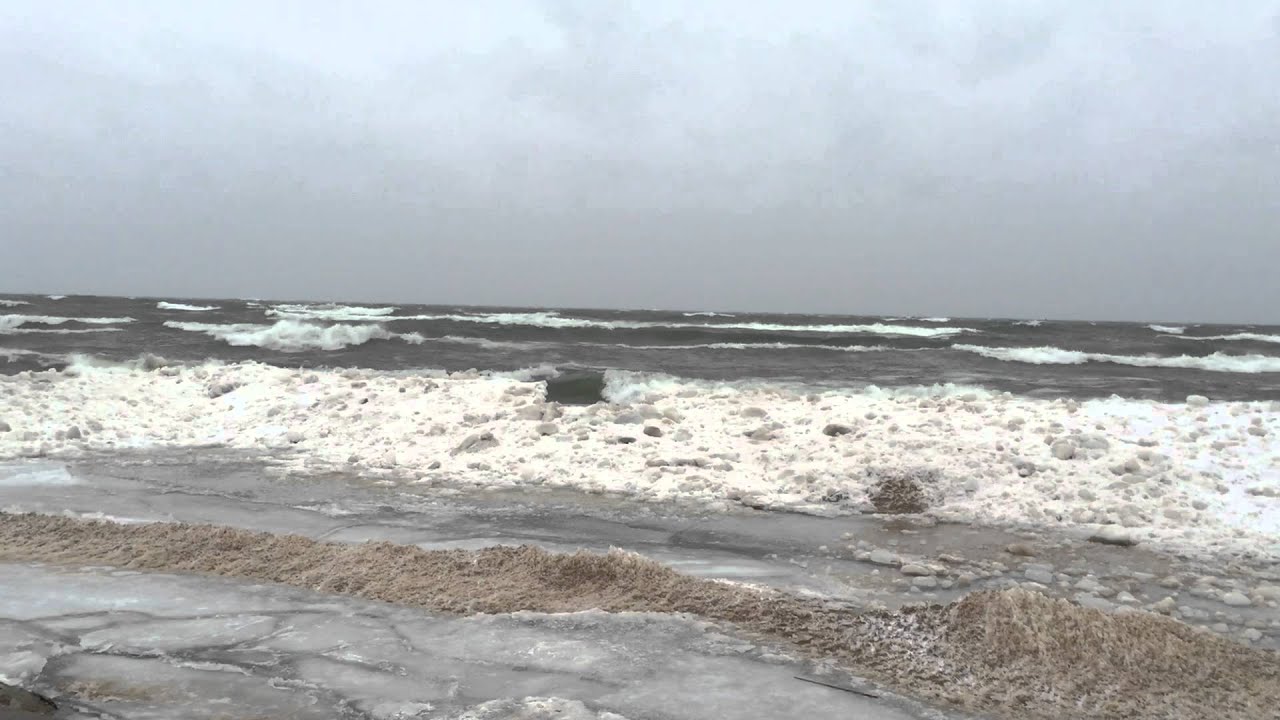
[{"x": 1048, "y": 358}]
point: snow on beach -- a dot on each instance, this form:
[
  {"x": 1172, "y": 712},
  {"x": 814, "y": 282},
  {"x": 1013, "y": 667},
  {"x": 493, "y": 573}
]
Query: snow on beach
[{"x": 1198, "y": 476}]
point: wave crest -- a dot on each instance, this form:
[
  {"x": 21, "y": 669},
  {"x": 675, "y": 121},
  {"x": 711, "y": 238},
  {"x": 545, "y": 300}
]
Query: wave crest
[
  {"x": 554, "y": 320},
  {"x": 294, "y": 335},
  {"x": 1249, "y": 336},
  {"x": 329, "y": 311},
  {"x": 13, "y": 324},
  {"x": 163, "y": 305},
  {"x": 1217, "y": 362}
]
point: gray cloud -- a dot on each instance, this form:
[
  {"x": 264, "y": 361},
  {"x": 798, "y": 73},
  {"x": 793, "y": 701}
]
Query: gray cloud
[{"x": 1100, "y": 160}]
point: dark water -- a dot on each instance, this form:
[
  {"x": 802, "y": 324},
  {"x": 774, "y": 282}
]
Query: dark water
[{"x": 1237, "y": 362}]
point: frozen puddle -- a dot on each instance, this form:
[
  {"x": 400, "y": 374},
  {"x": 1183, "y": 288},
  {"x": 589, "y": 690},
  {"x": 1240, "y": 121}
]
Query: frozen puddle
[
  {"x": 25, "y": 475},
  {"x": 127, "y": 645}
]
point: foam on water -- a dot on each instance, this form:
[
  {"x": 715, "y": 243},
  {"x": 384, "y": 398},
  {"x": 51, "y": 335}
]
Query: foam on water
[
  {"x": 295, "y": 335},
  {"x": 12, "y": 303},
  {"x": 1253, "y": 337},
  {"x": 12, "y": 354},
  {"x": 329, "y": 311},
  {"x": 1216, "y": 362},
  {"x": 1204, "y": 478},
  {"x": 1170, "y": 329},
  {"x": 760, "y": 346},
  {"x": 1029, "y": 323},
  {"x": 17, "y": 323},
  {"x": 162, "y": 305},
  {"x": 551, "y": 319}
]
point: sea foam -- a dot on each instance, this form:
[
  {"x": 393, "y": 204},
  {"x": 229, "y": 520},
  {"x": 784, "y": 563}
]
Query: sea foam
[
  {"x": 990, "y": 458},
  {"x": 1216, "y": 362},
  {"x": 329, "y": 311},
  {"x": 13, "y": 324},
  {"x": 551, "y": 319},
  {"x": 163, "y": 305},
  {"x": 294, "y": 335}
]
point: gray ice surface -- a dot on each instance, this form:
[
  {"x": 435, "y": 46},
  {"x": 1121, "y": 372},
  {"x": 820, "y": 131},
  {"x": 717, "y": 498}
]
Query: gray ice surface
[{"x": 166, "y": 646}]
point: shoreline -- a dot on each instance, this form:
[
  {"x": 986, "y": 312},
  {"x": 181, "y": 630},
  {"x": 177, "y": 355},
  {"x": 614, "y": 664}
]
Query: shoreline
[
  {"x": 1200, "y": 478},
  {"x": 1016, "y": 648}
]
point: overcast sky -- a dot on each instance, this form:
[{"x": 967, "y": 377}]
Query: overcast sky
[{"x": 1100, "y": 160}]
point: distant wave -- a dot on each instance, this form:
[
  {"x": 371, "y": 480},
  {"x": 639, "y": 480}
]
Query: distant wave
[
  {"x": 492, "y": 344},
  {"x": 549, "y": 319},
  {"x": 935, "y": 319},
  {"x": 1029, "y": 323},
  {"x": 189, "y": 308},
  {"x": 13, "y": 324},
  {"x": 1255, "y": 337},
  {"x": 56, "y": 297},
  {"x": 13, "y": 303},
  {"x": 15, "y": 354},
  {"x": 1217, "y": 362},
  {"x": 760, "y": 346},
  {"x": 329, "y": 311},
  {"x": 1171, "y": 329},
  {"x": 531, "y": 344},
  {"x": 294, "y": 335},
  {"x": 707, "y": 313}
]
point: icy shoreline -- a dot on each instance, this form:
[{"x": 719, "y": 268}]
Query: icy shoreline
[
  {"x": 1196, "y": 477},
  {"x": 1013, "y": 652}
]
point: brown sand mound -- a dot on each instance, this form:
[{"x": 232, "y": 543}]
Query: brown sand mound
[
  {"x": 901, "y": 493},
  {"x": 1014, "y": 653}
]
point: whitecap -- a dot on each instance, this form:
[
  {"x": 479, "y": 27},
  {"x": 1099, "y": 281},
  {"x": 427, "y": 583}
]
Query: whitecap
[
  {"x": 1217, "y": 362},
  {"x": 1254, "y": 337},
  {"x": 12, "y": 303},
  {"x": 188, "y": 308},
  {"x": 551, "y": 319},
  {"x": 329, "y": 311},
  {"x": 759, "y": 346},
  {"x": 294, "y": 335},
  {"x": 1169, "y": 329},
  {"x": 12, "y": 324}
]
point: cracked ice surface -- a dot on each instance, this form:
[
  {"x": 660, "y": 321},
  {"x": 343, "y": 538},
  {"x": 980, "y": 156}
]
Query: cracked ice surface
[{"x": 161, "y": 646}]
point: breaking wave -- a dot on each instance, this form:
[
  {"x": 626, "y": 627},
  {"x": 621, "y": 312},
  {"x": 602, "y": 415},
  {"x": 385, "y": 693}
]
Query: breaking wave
[
  {"x": 14, "y": 324},
  {"x": 760, "y": 346},
  {"x": 1217, "y": 362},
  {"x": 1255, "y": 337},
  {"x": 329, "y": 311},
  {"x": 707, "y": 313},
  {"x": 1029, "y": 323},
  {"x": 551, "y": 319},
  {"x": 294, "y": 335},
  {"x": 12, "y": 303},
  {"x": 1170, "y": 329},
  {"x": 180, "y": 306}
]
